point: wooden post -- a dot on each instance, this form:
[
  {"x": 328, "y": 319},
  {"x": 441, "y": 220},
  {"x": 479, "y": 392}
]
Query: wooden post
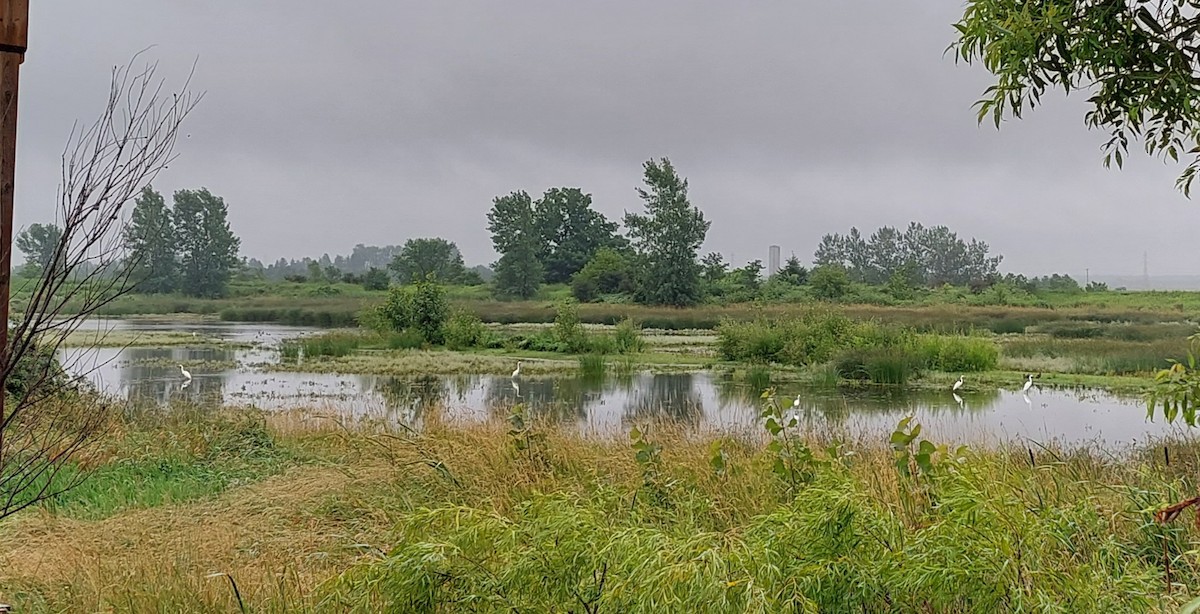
[{"x": 14, "y": 38}]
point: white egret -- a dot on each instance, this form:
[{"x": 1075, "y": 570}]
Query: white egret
[
  {"x": 1028, "y": 383},
  {"x": 958, "y": 384},
  {"x": 517, "y": 371},
  {"x": 184, "y": 372},
  {"x": 796, "y": 403}
]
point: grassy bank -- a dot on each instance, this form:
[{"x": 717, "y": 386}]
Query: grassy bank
[{"x": 313, "y": 515}]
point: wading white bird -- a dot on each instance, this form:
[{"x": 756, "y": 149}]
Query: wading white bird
[
  {"x": 517, "y": 371},
  {"x": 796, "y": 403},
  {"x": 184, "y": 372},
  {"x": 1028, "y": 383},
  {"x": 958, "y": 384}
]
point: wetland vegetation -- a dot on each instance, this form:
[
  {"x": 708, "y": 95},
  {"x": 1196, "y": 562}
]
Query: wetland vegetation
[{"x": 216, "y": 509}]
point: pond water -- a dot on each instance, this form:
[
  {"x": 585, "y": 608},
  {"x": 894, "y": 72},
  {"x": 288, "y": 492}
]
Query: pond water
[{"x": 604, "y": 405}]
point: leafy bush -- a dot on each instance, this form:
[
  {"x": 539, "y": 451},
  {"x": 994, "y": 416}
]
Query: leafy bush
[
  {"x": 465, "y": 330},
  {"x": 829, "y": 281},
  {"x": 568, "y": 331},
  {"x": 375, "y": 279},
  {"x": 420, "y": 306}
]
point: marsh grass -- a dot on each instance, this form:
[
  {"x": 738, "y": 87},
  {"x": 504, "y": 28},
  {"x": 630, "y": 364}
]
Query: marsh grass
[
  {"x": 1099, "y": 356},
  {"x": 487, "y": 518}
]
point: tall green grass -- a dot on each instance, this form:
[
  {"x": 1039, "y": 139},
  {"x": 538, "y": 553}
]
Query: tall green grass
[
  {"x": 1097, "y": 356},
  {"x": 199, "y": 456}
]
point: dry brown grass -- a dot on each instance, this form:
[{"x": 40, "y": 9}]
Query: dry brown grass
[{"x": 261, "y": 534}]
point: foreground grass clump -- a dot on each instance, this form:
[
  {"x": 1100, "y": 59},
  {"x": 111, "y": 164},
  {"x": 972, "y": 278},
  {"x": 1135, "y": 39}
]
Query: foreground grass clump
[
  {"x": 513, "y": 515},
  {"x": 164, "y": 457}
]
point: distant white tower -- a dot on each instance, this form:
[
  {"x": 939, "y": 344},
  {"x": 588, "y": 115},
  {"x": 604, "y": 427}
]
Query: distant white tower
[{"x": 773, "y": 261}]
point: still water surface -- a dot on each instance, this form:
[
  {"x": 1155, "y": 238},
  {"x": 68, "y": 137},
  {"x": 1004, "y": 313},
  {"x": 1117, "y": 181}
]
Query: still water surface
[{"x": 607, "y": 405}]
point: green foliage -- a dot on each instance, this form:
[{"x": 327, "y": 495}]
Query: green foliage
[
  {"x": 514, "y": 236},
  {"x": 202, "y": 457},
  {"x": 1135, "y": 61},
  {"x": 667, "y": 237},
  {"x": 39, "y": 242},
  {"x": 919, "y": 255},
  {"x": 38, "y": 367},
  {"x": 570, "y": 232},
  {"x": 627, "y": 337},
  {"x": 465, "y": 330},
  {"x": 208, "y": 249},
  {"x": 335, "y": 344},
  {"x": 792, "y": 272},
  {"x": 957, "y": 354},
  {"x": 420, "y": 307},
  {"x": 420, "y": 258},
  {"x": 375, "y": 279},
  {"x": 608, "y": 272},
  {"x": 150, "y": 241},
  {"x": 1177, "y": 387},
  {"x": 593, "y": 366},
  {"x": 568, "y": 331},
  {"x": 656, "y": 487},
  {"x": 881, "y": 365},
  {"x": 811, "y": 337},
  {"x": 792, "y": 461},
  {"x": 829, "y": 281}
]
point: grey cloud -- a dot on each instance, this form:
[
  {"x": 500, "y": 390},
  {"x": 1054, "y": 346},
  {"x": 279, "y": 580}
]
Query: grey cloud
[{"x": 378, "y": 121}]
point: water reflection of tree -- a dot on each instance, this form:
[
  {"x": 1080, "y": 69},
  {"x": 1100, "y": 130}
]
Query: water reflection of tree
[
  {"x": 409, "y": 400},
  {"x": 665, "y": 396},
  {"x": 555, "y": 400}
]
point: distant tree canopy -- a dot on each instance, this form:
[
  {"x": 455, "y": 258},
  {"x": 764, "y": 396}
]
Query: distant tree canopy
[
  {"x": 189, "y": 248},
  {"x": 38, "y": 243},
  {"x": 667, "y": 238},
  {"x": 420, "y": 258},
  {"x": 515, "y": 237},
  {"x": 150, "y": 242},
  {"x": 208, "y": 249},
  {"x": 929, "y": 256},
  {"x": 1138, "y": 62},
  {"x": 570, "y": 232}
]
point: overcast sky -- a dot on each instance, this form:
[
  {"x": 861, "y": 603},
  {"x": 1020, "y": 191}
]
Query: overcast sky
[{"x": 374, "y": 121}]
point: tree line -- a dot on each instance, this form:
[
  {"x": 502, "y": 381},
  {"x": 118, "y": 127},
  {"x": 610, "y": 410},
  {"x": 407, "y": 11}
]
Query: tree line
[
  {"x": 652, "y": 256},
  {"x": 188, "y": 247}
]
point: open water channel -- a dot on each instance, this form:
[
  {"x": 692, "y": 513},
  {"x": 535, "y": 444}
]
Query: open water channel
[{"x": 242, "y": 376}]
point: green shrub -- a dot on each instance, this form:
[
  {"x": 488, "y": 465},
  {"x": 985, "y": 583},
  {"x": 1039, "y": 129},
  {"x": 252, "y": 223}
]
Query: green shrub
[
  {"x": 420, "y": 306},
  {"x": 568, "y": 331},
  {"x": 465, "y": 330}
]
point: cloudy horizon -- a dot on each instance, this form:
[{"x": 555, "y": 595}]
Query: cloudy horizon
[{"x": 394, "y": 120}]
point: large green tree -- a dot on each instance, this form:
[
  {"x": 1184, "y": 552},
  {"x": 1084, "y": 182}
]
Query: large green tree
[
  {"x": 207, "y": 246},
  {"x": 420, "y": 258},
  {"x": 570, "y": 231},
  {"x": 1137, "y": 61},
  {"x": 38, "y": 243},
  {"x": 515, "y": 238},
  {"x": 667, "y": 237},
  {"x": 151, "y": 245}
]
